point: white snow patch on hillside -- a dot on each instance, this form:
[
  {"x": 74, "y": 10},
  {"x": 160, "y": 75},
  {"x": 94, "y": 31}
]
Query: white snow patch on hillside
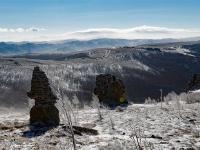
[
  {"x": 184, "y": 51},
  {"x": 179, "y": 50}
]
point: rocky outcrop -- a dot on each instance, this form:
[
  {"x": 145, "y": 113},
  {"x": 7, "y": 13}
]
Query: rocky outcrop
[
  {"x": 44, "y": 112},
  {"x": 194, "y": 84},
  {"x": 110, "y": 90}
]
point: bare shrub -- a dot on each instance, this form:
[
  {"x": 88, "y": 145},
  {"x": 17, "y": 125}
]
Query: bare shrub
[
  {"x": 195, "y": 131},
  {"x": 149, "y": 100},
  {"x": 112, "y": 122},
  {"x": 117, "y": 144},
  {"x": 76, "y": 103},
  {"x": 193, "y": 98},
  {"x": 138, "y": 137},
  {"x": 170, "y": 97},
  {"x": 97, "y": 105},
  {"x": 190, "y": 97},
  {"x": 67, "y": 113}
]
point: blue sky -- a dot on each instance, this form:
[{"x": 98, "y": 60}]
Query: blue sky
[{"x": 59, "y": 16}]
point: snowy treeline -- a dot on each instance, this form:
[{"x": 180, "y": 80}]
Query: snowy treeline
[{"x": 190, "y": 97}]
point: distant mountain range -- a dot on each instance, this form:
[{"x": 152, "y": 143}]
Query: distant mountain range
[
  {"x": 13, "y": 48},
  {"x": 144, "y": 70}
]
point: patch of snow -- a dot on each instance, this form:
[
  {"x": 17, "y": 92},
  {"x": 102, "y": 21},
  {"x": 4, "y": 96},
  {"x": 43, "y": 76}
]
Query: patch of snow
[
  {"x": 169, "y": 127},
  {"x": 184, "y": 51},
  {"x": 179, "y": 50}
]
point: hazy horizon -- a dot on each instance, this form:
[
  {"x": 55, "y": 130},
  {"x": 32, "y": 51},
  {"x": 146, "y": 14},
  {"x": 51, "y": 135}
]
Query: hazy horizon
[{"x": 43, "y": 20}]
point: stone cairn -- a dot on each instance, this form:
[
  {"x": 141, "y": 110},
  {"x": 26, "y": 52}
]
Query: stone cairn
[
  {"x": 44, "y": 111},
  {"x": 110, "y": 90},
  {"x": 194, "y": 84}
]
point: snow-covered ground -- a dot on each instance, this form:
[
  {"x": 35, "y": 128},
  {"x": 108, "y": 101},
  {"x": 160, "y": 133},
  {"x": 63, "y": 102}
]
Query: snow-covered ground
[{"x": 173, "y": 126}]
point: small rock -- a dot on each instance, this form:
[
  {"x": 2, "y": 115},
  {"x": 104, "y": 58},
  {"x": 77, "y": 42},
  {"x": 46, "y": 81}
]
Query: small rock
[{"x": 119, "y": 109}]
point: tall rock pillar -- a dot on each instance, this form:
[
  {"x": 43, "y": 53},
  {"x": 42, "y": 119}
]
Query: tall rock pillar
[{"x": 44, "y": 111}]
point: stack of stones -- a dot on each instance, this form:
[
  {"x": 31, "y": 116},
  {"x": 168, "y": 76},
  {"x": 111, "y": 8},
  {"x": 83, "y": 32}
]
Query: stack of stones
[
  {"x": 110, "y": 90},
  {"x": 44, "y": 111}
]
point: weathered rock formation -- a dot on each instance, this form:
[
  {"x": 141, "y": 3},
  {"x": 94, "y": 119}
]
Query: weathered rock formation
[
  {"x": 110, "y": 90},
  {"x": 194, "y": 84},
  {"x": 44, "y": 112}
]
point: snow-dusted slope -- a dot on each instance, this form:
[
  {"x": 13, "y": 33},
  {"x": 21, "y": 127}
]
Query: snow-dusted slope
[
  {"x": 174, "y": 126},
  {"x": 144, "y": 70}
]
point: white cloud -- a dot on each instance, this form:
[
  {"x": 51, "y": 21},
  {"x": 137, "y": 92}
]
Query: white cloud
[
  {"x": 21, "y": 30},
  {"x": 140, "y": 32}
]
